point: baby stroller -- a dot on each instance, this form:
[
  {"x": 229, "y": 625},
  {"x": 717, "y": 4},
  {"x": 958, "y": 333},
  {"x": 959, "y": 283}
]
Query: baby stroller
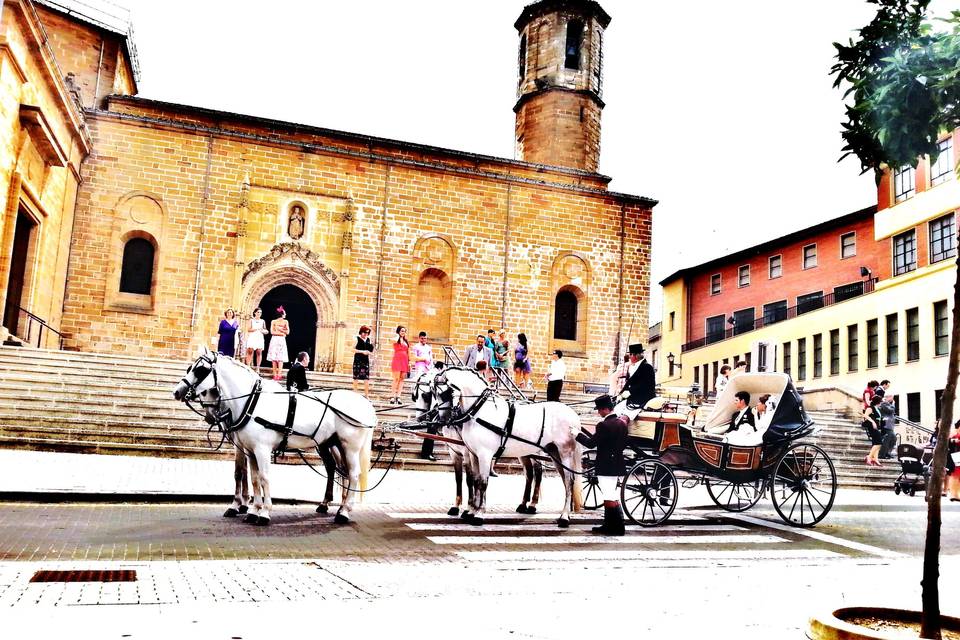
[{"x": 914, "y": 470}]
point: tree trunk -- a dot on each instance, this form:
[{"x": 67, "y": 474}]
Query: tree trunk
[{"x": 930, "y": 616}]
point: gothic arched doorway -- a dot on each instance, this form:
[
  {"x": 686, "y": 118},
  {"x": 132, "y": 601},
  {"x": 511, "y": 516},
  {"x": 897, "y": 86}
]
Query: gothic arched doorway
[{"x": 302, "y": 315}]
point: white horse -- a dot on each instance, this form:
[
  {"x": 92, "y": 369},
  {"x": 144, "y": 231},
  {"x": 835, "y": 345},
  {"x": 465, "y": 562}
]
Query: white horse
[
  {"x": 532, "y": 468},
  {"x": 260, "y": 418},
  {"x": 490, "y": 427}
]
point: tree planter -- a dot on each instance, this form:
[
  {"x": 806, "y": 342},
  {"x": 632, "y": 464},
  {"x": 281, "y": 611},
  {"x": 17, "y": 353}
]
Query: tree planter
[{"x": 834, "y": 625}]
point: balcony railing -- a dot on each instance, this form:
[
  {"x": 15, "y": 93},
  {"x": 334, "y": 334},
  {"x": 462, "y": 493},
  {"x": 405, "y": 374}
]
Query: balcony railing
[{"x": 780, "y": 314}]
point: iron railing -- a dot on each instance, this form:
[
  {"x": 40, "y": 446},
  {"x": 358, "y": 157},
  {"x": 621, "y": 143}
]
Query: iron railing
[
  {"x": 501, "y": 377},
  {"x": 30, "y": 329},
  {"x": 780, "y": 314}
]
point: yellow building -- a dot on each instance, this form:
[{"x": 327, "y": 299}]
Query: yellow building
[{"x": 862, "y": 297}]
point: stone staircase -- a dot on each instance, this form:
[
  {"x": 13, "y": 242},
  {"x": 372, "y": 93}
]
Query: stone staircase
[{"x": 112, "y": 404}]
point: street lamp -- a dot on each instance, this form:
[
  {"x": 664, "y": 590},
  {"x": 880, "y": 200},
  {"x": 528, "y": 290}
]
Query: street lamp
[{"x": 671, "y": 358}]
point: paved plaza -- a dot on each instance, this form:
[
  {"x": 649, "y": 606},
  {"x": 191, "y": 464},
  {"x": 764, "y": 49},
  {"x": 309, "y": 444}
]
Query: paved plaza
[{"x": 404, "y": 566}]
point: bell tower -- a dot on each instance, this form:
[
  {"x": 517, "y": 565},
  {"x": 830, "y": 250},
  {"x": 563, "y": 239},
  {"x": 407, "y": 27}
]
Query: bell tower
[{"x": 560, "y": 83}]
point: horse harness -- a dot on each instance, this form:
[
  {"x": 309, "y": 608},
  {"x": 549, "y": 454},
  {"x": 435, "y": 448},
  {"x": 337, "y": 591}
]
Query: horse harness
[{"x": 506, "y": 431}]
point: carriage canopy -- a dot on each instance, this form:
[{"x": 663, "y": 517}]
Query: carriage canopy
[{"x": 785, "y": 402}]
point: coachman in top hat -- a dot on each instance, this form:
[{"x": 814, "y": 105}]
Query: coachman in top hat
[
  {"x": 641, "y": 386},
  {"x": 610, "y": 439}
]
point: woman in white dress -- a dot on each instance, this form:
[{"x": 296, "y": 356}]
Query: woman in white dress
[
  {"x": 277, "y": 353},
  {"x": 256, "y": 329}
]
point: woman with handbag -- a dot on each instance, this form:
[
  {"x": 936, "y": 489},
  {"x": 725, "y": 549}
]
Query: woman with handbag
[{"x": 871, "y": 424}]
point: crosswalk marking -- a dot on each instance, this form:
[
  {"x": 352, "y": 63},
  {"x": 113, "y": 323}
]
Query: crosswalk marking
[
  {"x": 817, "y": 535},
  {"x": 564, "y": 539},
  {"x": 431, "y": 526},
  {"x": 596, "y": 516},
  {"x": 647, "y": 555}
]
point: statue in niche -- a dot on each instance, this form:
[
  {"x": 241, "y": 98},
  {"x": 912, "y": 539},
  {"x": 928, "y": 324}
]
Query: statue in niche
[{"x": 295, "y": 225}]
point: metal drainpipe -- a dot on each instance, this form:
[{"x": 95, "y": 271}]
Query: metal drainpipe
[
  {"x": 383, "y": 240},
  {"x": 96, "y": 89},
  {"x": 616, "y": 351},
  {"x": 506, "y": 260},
  {"x": 203, "y": 220}
]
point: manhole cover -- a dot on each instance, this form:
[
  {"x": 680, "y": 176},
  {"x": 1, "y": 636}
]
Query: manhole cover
[{"x": 90, "y": 575}]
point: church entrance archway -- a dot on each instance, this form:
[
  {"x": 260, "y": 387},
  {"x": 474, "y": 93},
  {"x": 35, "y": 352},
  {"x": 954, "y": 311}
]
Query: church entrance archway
[{"x": 301, "y": 314}]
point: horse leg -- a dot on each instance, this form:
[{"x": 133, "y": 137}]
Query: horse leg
[
  {"x": 528, "y": 481},
  {"x": 458, "y": 478},
  {"x": 245, "y": 495},
  {"x": 351, "y": 459},
  {"x": 566, "y": 464},
  {"x": 469, "y": 467},
  {"x": 330, "y": 465},
  {"x": 262, "y": 456},
  {"x": 239, "y": 483},
  {"x": 537, "y": 479},
  {"x": 257, "y": 500},
  {"x": 484, "y": 464}
]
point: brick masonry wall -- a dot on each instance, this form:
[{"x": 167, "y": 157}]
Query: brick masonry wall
[
  {"x": 831, "y": 271},
  {"x": 30, "y": 184},
  {"x": 470, "y": 211}
]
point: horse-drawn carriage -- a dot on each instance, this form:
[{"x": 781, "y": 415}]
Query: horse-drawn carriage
[{"x": 663, "y": 447}]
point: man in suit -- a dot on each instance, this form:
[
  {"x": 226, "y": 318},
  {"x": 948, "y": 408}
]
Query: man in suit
[
  {"x": 478, "y": 352},
  {"x": 742, "y": 418},
  {"x": 641, "y": 386},
  {"x": 297, "y": 376},
  {"x": 610, "y": 439}
]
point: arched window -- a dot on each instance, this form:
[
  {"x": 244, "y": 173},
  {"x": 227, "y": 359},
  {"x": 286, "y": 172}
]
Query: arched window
[
  {"x": 136, "y": 273},
  {"x": 433, "y": 305},
  {"x": 565, "y": 316}
]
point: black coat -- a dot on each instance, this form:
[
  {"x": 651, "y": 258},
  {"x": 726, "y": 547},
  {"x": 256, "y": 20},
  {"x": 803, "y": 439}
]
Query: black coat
[
  {"x": 747, "y": 419},
  {"x": 610, "y": 440},
  {"x": 297, "y": 377},
  {"x": 642, "y": 385}
]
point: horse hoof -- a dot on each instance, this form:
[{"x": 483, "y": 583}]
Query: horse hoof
[
  {"x": 323, "y": 508},
  {"x": 522, "y": 508},
  {"x": 243, "y": 509},
  {"x": 251, "y": 518},
  {"x": 563, "y": 523},
  {"x": 341, "y": 519},
  {"x": 477, "y": 522},
  {"x": 466, "y": 515},
  {"x": 453, "y": 511},
  {"x": 263, "y": 522},
  {"x": 231, "y": 513},
  {"x": 530, "y": 511}
]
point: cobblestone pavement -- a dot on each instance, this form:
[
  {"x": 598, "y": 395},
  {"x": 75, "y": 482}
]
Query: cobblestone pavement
[{"x": 405, "y": 568}]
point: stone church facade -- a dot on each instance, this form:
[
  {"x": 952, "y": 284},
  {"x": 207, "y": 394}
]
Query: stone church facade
[{"x": 161, "y": 215}]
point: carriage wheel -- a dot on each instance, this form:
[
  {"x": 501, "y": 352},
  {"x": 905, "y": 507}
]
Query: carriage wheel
[
  {"x": 734, "y": 496},
  {"x": 803, "y": 485},
  {"x": 592, "y": 499},
  {"x": 648, "y": 493}
]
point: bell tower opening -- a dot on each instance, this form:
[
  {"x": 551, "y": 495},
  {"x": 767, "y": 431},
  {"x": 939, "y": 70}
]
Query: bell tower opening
[{"x": 559, "y": 93}]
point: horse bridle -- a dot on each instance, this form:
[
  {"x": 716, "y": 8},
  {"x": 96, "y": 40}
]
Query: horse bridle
[
  {"x": 214, "y": 412},
  {"x": 457, "y": 416}
]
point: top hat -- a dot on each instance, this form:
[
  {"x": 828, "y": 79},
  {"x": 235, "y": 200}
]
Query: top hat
[
  {"x": 603, "y": 402},
  {"x": 636, "y": 349}
]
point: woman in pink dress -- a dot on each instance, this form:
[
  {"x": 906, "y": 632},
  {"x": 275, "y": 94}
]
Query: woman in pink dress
[{"x": 400, "y": 365}]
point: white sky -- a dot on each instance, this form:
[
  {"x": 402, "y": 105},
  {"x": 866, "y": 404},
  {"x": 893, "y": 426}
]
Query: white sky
[{"x": 723, "y": 111}]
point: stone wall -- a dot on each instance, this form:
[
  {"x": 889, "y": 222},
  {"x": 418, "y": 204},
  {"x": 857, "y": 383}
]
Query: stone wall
[{"x": 496, "y": 239}]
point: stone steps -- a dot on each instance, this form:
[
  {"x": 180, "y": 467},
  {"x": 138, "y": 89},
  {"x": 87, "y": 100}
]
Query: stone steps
[{"x": 70, "y": 401}]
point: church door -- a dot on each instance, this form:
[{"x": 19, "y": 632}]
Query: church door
[
  {"x": 301, "y": 314},
  {"x": 18, "y": 273}
]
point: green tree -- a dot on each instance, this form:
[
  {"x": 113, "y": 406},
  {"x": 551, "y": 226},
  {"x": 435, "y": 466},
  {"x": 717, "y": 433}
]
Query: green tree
[{"x": 902, "y": 85}]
